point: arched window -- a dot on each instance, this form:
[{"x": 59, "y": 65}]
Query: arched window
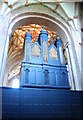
[{"x": 15, "y": 83}]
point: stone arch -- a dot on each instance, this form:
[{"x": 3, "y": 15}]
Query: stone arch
[
  {"x": 41, "y": 19},
  {"x": 53, "y": 21}
]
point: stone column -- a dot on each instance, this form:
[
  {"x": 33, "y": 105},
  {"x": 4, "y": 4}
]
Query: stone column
[
  {"x": 4, "y": 41},
  {"x": 75, "y": 67},
  {"x": 4, "y": 59},
  {"x": 71, "y": 77}
]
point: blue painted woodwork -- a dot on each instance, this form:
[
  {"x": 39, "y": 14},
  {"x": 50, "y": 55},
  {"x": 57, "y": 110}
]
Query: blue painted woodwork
[{"x": 41, "y": 65}]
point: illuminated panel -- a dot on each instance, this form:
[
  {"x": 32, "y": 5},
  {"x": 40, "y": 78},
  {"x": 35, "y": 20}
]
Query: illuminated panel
[
  {"x": 53, "y": 53},
  {"x": 35, "y": 51}
]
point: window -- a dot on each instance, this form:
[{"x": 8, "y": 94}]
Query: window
[{"x": 15, "y": 83}]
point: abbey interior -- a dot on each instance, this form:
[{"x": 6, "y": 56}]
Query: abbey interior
[{"x": 41, "y": 65}]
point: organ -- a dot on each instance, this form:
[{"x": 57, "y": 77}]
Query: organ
[{"x": 43, "y": 65}]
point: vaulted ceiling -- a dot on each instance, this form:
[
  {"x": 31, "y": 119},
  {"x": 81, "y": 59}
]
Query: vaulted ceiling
[{"x": 67, "y": 6}]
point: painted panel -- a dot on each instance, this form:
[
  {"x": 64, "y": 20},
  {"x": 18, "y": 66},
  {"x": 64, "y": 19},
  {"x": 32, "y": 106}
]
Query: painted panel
[
  {"x": 58, "y": 79},
  {"x": 52, "y": 78},
  {"x": 64, "y": 78},
  {"x": 26, "y": 76},
  {"x": 46, "y": 77},
  {"x": 32, "y": 77},
  {"x": 39, "y": 76}
]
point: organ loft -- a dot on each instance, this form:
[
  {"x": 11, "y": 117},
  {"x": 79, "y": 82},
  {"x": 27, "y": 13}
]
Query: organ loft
[{"x": 43, "y": 64}]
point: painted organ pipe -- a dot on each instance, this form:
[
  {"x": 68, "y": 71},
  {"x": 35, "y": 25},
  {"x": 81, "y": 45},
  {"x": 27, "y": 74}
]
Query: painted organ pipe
[{"x": 59, "y": 45}]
